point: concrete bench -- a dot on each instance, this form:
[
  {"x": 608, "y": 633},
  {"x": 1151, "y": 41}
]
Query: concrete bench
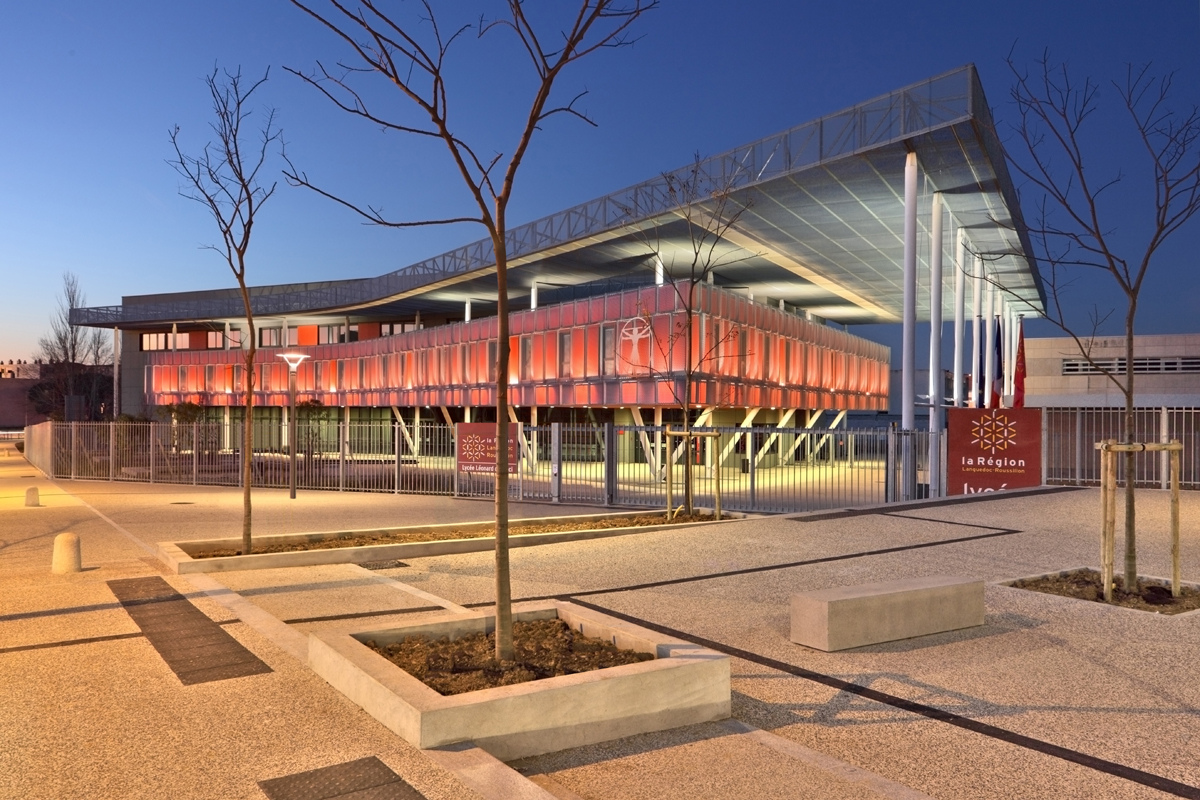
[{"x": 854, "y": 616}]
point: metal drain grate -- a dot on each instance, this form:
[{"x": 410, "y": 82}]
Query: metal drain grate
[
  {"x": 196, "y": 649},
  {"x": 364, "y": 779}
]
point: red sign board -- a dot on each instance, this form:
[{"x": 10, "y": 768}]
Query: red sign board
[
  {"x": 476, "y": 446},
  {"x": 992, "y": 449}
]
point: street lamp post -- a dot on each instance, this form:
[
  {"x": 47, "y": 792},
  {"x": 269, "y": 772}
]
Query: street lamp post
[{"x": 293, "y": 361}]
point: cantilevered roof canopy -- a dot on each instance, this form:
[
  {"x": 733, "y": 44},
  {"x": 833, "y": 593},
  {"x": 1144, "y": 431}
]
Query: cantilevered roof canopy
[{"x": 821, "y": 230}]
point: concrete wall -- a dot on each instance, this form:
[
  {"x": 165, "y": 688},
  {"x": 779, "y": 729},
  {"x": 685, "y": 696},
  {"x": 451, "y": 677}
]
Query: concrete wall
[
  {"x": 1045, "y": 385},
  {"x": 15, "y": 410},
  {"x": 132, "y": 380}
]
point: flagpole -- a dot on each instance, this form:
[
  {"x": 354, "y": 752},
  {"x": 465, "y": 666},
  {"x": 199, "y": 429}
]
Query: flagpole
[
  {"x": 1019, "y": 369},
  {"x": 989, "y": 348}
]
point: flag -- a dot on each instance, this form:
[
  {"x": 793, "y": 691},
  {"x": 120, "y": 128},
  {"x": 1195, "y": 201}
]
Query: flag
[
  {"x": 1019, "y": 371},
  {"x": 980, "y": 383},
  {"x": 997, "y": 376}
]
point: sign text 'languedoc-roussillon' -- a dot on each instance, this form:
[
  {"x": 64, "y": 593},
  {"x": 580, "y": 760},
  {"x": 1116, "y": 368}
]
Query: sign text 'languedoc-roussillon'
[{"x": 992, "y": 449}]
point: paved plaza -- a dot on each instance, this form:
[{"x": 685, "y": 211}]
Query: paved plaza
[{"x": 1050, "y": 698}]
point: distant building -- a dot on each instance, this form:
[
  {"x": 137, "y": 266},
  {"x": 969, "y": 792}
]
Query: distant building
[
  {"x": 16, "y": 379},
  {"x": 1166, "y": 372}
]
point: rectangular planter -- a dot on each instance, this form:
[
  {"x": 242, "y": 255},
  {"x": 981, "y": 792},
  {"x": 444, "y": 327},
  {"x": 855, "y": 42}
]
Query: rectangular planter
[
  {"x": 178, "y": 555},
  {"x": 1153, "y": 579},
  {"x": 684, "y": 684}
]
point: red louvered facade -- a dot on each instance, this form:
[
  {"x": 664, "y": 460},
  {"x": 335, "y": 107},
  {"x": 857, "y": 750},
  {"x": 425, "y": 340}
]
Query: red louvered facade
[{"x": 624, "y": 349}]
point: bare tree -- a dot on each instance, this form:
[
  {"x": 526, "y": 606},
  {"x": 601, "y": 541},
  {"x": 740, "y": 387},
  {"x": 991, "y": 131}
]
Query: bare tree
[
  {"x": 1076, "y": 230},
  {"x": 224, "y": 178},
  {"x": 411, "y": 55},
  {"x": 74, "y": 356},
  {"x": 705, "y": 203}
]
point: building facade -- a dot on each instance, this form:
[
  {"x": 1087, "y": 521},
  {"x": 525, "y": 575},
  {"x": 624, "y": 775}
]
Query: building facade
[{"x": 838, "y": 222}]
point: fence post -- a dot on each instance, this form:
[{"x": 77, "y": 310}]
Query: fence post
[
  {"x": 752, "y": 454},
  {"x": 152, "y": 453},
  {"x": 1079, "y": 447},
  {"x": 1045, "y": 446},
  {"x": 454, "y": 451},
  {"x": 555, "y": 462},
  {"x": 610, "y": 464},
  {"x": 195, "y": 451},
  {"x": 396, "y": 437},
  {"x": 945, "y": 466},
  {"x": 343, "y": 438},
  {"x": 1164, "y": 434},
  {"x": 889, "y": 468},
  {"x": 74, "y": 446},
  {"x": 935, "y": 464},
  {"x": 112, "y": 450}
]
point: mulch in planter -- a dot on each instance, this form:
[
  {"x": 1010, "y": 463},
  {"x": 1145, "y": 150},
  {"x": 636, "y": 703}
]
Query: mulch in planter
[
  {"x": 543, "y": 649},
  {"x": 1084, "y": 584},
  {"x": 514, "y": 529}
]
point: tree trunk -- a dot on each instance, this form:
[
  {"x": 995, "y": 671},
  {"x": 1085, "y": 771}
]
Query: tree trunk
[
  {"x": 1130, "y": 510},
  {"x": 688, "y": 489},
  {"x": 504, "y": 631},
  {"x": 248, "y": 447}
]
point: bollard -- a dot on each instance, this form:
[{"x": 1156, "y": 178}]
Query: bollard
[
  {"x": 67, "y": 557},
  {"x": 31, "y": 496}
]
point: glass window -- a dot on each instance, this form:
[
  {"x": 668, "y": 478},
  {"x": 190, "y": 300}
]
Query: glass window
[
  {"x": 741, "y": 352},
  {"x": 768, "y": 343},
  {"x": 216, "y": 340},
  {"x": 492, "y": 351},
  {"x": 564, "y": 354},
  {"x": 526, "y": 356},
  {"x": 154, "y": 341},
  {"x": 608, "y": 350},
  {"x": 714, "y": 349},
  {"x": 270, "y": 337}
]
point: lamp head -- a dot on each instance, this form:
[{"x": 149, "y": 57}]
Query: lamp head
[{"x": 293, "y": 359}]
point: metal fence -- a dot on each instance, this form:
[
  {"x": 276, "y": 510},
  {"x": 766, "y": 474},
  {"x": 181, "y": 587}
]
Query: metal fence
[
  {"x": 1069, "y": 436},
  {"x": 760, "y": 469}
]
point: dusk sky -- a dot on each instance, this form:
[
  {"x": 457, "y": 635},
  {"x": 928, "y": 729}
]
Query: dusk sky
[{"x": 92, "y": 89}]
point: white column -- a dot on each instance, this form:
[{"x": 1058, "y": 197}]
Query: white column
[
  {"x": 989, "y": 347},
  {"x": 226, "y": 339},
  {"x": 533, "y": 295},
  {"x": 935, "y": 314},
  {"x": 1002, "y": 311},
  {"x": 174, "y": 335},
  {"x": 976, "y": 330},
  {"x": 467, "y": 311},
  {"x": 908, "y": 351},
  {"x": 116, "y": 408},
  {"x": 960, "y": 297},
  {"x": 659, "y": 271}
]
